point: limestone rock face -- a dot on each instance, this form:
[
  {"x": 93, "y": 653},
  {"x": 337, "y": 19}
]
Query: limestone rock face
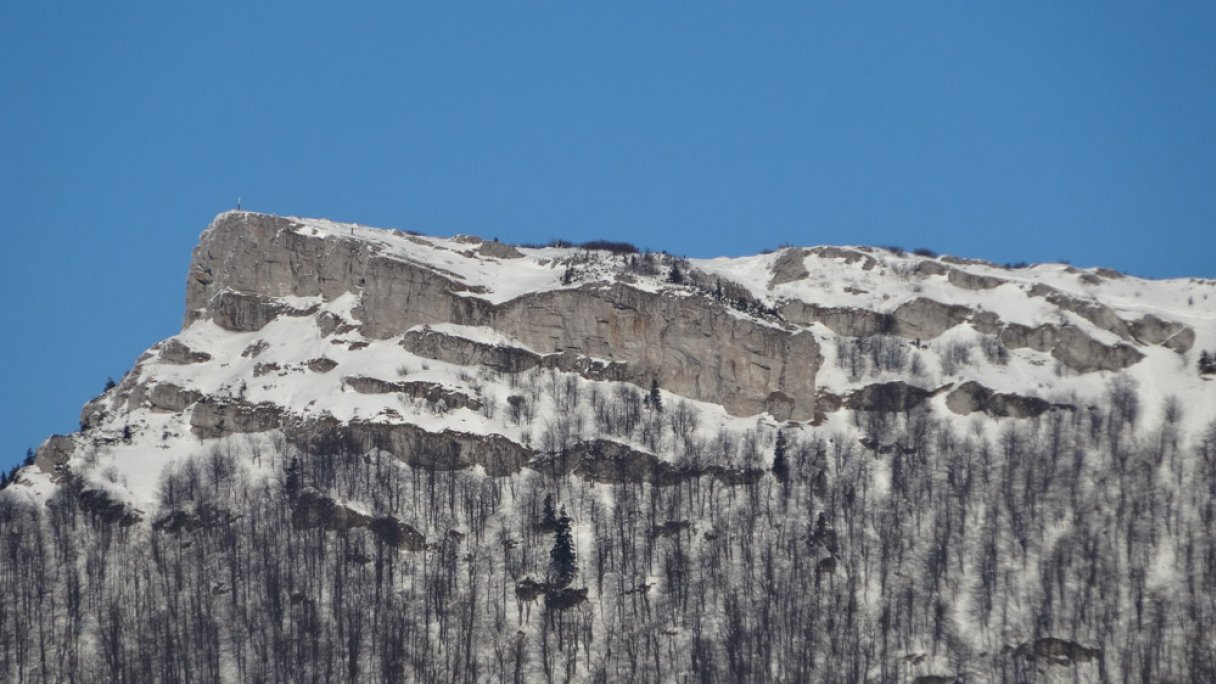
[
  {"x": 166, "y": 396},
  {"x": 174, "y": 351},
  {"x": 971, "y": 397},
  {"x": 693, "y": 345},
  {"x": 217, "y": 418},
  {"x": 55, "y": 451},
  {"x": 494, "y": 248},
  {"x": 429, "y": 391},
  {"x": 446, "y": 450},
  {"x": 790, "y": 266}
]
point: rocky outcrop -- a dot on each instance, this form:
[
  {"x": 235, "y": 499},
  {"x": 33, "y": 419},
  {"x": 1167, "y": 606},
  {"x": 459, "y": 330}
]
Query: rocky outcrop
[
  {"x": 55, "y": 451},
  {"x": 788, "y": 267},
  {"x": 213, "y": 418},
  {"x": 887, "y": 397},
  {"x": 850, "y": 256},
  {"x": 321, "y": 365},
  {"x": 972, "y": 281},
  {"x": 609, "y": 462},
  {"x": 850, "y": 321},
  {"x": 971, "y": 397},
  {"x": 922, "y": 318},
  {"x": 429, "y": 391},
  {"x": 462, "y": 351},
  {"x": 498, "y": 250},
  {"x": 957, "y": 276},
  {"x": 1169, "y": 334},
  {"x": 175, "y": 352},
  {"x": 1057, "y": 651},
  {"x": 1084, "y": 354},
  {"x": 415, "y": 446},
  {"x": 1148, "y": 329},
  {"x": 312, "y": 509},
  {"x": 245, "y": 312},
  {"x": 696, "y": 346},
  {"x": 168, "y": 397},
  {"x": 104, "y": 508},
  {"x": 1070, "y": 346},
  {"x": 919, "y": 318}
]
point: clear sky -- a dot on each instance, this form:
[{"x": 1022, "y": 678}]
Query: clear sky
[{"x": 1028, "y": 131}]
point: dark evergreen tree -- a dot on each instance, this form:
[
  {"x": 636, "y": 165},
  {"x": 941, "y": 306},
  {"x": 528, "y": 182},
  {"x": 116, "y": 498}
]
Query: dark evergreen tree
[
  {"x": 674, "y": 275},
  {"x": 781, "y": 465},
  {"x": 562, "y": 568},
  {"x": 294, "y": 481},
  {"x": 654, "y": 399},
  {"x": 548, "y": 515}
]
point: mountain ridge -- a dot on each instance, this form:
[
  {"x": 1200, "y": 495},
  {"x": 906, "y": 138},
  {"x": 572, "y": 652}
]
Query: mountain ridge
[{"x": 592, "y": 371}]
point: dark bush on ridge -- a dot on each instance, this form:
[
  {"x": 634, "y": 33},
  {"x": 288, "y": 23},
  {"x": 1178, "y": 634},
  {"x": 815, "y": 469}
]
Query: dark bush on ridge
[{"x": 611, "y": 246}]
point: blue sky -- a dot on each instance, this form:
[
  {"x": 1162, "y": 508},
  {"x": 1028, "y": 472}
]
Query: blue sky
[{"x": 1011, "y": 131}]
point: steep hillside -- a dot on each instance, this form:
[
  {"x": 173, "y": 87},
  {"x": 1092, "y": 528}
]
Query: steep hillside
[{"x": 377, "y": 455}]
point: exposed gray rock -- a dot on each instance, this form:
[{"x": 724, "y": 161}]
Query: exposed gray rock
[
  {"x": 321, "y": 365},
  {"x": 696, "y": 346},
  {"x": 970, "y": 397},
  {"x": 244, "y": 312},
  {"x": 498, "y": 250},
  {"x": 56, "y": 451},
  {"x": 1084, "y": 354},
  {"x": 888, "y": 397},
  {"x": 973, "y": 281},
  {"x": 255, "y": 349},
  {"x": 923, "y": 318},
  {"x": 430, "y": 391},
  {"x": 1099, "y": 314},
  {"x": 312, "y": 509},
  {"x": 850, "y": 321},
  {"x": 789, "y": 267},
  {"x": 1149, "y": 329},
  {"x": 330, "y": 323},
  {"x": 1016, "y": 336},
  {"x": 932, "y": 268},
  {"x": 1058, "y": 651},
  {"x": 447, "y": 450},
  {"x": 396, "y": 534},
  {"x": 104, "y": 508},
  {"x": 919, "y": 318},
  {"x": 462, "y": 351},
  {"x": 213, "y": 418},
  {"x": 175, "y": 352},
  {"x": 850, "y": 256},
  {"x": 1170, "y": 334},
  {"x": 166, "y": 396}
]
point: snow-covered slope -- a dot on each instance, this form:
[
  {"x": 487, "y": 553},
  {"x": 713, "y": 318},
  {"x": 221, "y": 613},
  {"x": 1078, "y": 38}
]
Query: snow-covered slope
[{"x": 616, "y": 368}]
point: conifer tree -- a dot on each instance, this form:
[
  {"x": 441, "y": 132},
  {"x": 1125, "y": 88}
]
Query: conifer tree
[
  {"x": 548, "y": 516},
  {"x": 654, "y": 399},
  {"x": 781, "y": 465},
  {"x": 562, "y": 568}
]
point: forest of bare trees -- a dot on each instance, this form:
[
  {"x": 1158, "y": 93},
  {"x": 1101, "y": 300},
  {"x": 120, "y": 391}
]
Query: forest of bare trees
[{"x": 1081, "y": 544}]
